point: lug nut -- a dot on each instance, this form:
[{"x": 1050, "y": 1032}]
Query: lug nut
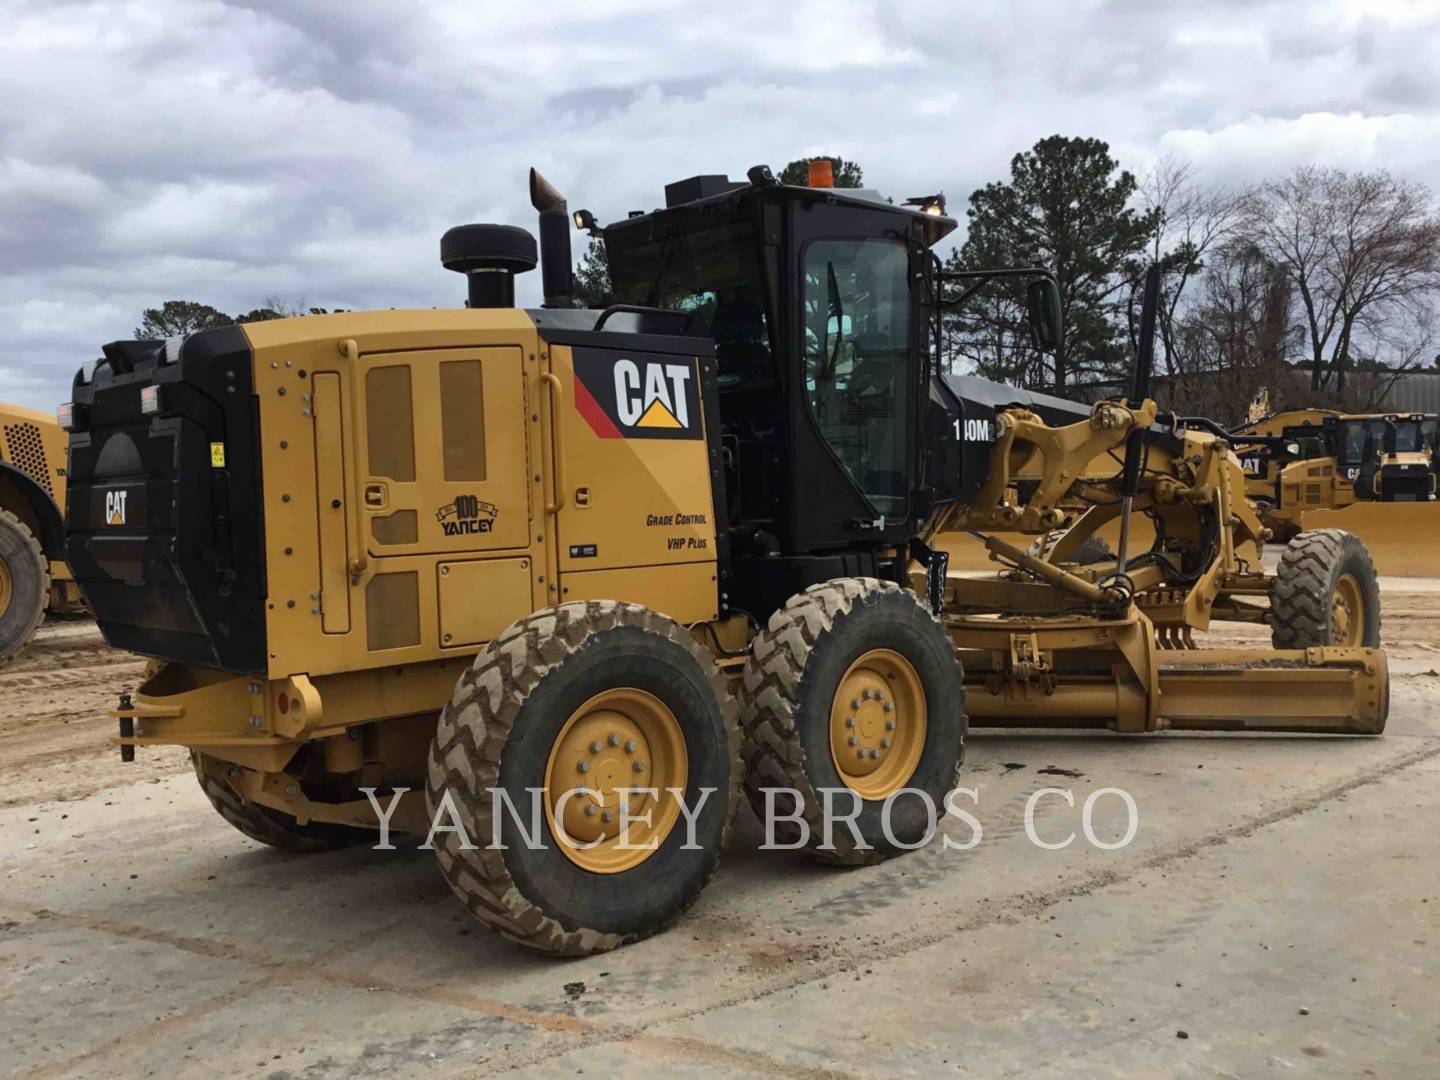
[
  {"x": 631, "y": 746},
  {"x": 584, "y": 766},
  {"x": 849, "y": 721},
  {"x": 589, "y": 809},
  {"x": 860, "y": 753},
  {"x": 888, "y": 707},
  {"x": 865, "y": 694},
  {"x": 874, "y": 754},
  {"x": 638, "y": 766},
  {"x": 889, "y": 725},
  {"x": 595, "y": 747},
  {"x": 879, "y": 696},
  {"x": 851, "y": 740},
  {"x": 607, "y": 816},
  {"x": 613, "y": 740},
  {"x": 884, "y": 744},
  {"x": 854, "y": 703}
]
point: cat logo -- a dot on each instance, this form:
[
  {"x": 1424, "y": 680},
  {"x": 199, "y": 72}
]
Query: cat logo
[
  {"x": 661, "y": 402},
  {"x": 637, "y": 395},
  {"x": 115, "y": 507},
  {"x": 466, "y": 516}
]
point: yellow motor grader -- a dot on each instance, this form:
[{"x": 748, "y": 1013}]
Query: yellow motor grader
[{"x": 566, "y": 582}]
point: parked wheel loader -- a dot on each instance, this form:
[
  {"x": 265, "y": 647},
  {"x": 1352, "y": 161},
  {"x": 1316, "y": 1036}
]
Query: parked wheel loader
[
  {"x": 615, "y": 568},
  {"x": 33, "y": 575}
]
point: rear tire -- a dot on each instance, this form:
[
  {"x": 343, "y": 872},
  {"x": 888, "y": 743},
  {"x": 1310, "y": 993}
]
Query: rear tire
[
  {"x": 270, "y": 827},
  {"x": 800, "y": 707},
  {"x": 524, "y": 715},
  {"x": 24, "y": 585},
  {"x": 1325, "y": 593}
]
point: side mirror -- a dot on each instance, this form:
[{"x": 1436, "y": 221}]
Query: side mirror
[{"x": 1042, "y": 302}]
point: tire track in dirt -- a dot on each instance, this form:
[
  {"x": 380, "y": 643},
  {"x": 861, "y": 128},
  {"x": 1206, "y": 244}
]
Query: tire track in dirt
[
  {"x": 55, "y": 726},
  {"x": 845, "y": 956}
]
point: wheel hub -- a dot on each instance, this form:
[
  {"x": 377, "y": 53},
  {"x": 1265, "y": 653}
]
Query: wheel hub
[
  {"x": 1347, "y": 612},
  {"x": 877, "y": 724},
  {"x": 7, "y": 587},
  {"x": 622, "y": 738}
]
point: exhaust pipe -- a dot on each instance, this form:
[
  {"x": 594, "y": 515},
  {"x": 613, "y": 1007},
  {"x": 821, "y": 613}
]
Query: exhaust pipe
[{"x": 555, "y": 266}]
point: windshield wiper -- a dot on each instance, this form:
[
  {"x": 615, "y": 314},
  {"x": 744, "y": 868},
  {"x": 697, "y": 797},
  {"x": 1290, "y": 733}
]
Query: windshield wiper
[{"x": 662, "y": 264}]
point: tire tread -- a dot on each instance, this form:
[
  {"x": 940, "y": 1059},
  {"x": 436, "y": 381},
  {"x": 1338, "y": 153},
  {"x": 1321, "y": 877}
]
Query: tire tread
[
  {"x": 472, "y": 733},
  {"x": 1300, "y": 593},
  {"x": 37, "y": 616}
]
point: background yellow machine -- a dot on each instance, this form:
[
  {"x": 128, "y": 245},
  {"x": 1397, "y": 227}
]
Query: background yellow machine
[
  {"x": 621, "y": 565},
  {"x": 33, "y": 575},
  {"x": 1371, "y": 473}
]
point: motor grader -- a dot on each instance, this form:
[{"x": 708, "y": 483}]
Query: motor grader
[
  {"x": 617, "y": 566},
  {"x": 33, "y": 574}
]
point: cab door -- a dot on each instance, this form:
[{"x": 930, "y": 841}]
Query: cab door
[{"x": 856, "y": 347}]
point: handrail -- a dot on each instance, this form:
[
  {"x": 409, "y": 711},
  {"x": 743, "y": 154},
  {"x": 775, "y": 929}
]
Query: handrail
[
  {"x": 640, "y": 309},
  {"x": 356, "y": 520},
  {"x": 557, "y": 400}
]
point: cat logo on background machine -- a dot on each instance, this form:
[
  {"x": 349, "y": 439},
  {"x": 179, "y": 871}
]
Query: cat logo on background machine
[{"x": 637, "y": 396}]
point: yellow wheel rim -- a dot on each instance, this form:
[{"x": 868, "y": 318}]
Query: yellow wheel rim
[
  {"x": 877, "y": 724},
  {"x": 621, "y": 738},
  {"x": 7, "y": 588},
  {"x": 1347, "y": 612}
]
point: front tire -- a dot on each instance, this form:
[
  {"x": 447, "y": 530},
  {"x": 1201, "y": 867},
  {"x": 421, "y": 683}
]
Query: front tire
[
  {"x": 1325, "y": 593},
  {"x": 853, "y": 685},
  {"x": 601, "y": 696}
]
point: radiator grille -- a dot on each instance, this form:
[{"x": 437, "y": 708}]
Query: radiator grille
[{"x": 26, "y": 451}]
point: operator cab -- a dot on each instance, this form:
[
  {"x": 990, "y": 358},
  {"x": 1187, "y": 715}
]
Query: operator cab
[
  {"x": 820, "y": 304},
  {"x": 1389, "y": 457}
]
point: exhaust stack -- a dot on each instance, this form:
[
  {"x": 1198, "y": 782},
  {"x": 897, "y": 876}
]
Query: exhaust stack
[{"x": 555, "y": 265}]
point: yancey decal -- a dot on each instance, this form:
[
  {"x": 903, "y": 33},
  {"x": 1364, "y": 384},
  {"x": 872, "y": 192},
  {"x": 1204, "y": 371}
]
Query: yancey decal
[
  {"x": 637, "y": 395},
  {"x": 466, "y": 515}
]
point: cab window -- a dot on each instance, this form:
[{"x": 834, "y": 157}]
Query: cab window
[{"x": 856, "y": 337}]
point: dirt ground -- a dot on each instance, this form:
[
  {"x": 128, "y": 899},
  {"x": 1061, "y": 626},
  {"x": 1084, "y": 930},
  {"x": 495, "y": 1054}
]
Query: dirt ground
[{"x": 1278, "y": 912}]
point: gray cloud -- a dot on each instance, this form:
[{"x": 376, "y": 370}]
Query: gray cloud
[{"x": 226, "y": 151}]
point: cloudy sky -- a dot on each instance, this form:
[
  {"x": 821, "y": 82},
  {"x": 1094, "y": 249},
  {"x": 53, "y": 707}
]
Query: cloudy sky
[{"x": 226, "y": 152}]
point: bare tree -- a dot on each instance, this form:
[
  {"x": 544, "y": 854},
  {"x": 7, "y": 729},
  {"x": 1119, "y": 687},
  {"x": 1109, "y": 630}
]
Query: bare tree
[
  {"x": 1191, "y": 220},
  {"x": 1232, "y": 338},
  {"x": 1362, "y": 251}
]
